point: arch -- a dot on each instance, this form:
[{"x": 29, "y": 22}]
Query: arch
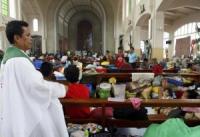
[
  {"x": 180, "y": 22},
  {"x": 107, "y": 16},
  {"x": 69, "y": 8},
  {"x": 143, "y": 19},
  {"x": 97, "y": 29}
]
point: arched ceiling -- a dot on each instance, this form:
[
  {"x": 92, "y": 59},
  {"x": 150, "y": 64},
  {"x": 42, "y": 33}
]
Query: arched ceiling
[
  {"x": 144, "y": 21},
  {"x": 57, "y": 13},
  {"x": 30, "y": 7},
  {"x": 174, "y": 9},
  {"x": 70, "y": 7}
]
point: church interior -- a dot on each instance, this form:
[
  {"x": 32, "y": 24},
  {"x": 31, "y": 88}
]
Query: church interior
[{"x": 138, "y": 59}]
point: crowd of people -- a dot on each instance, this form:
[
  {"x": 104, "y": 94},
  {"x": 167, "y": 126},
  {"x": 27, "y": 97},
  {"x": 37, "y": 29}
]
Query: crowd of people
[{"x": 30, "y": 107}]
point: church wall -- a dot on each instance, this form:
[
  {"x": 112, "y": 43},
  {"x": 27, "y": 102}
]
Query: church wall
[
  {"x": 143, "y": 34},
  {"x": 60, "y": 26},
  {"x": 158, "y": 2}
]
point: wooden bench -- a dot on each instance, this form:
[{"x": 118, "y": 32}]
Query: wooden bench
[
  {"x": 137, "y": 70},
  {"x": 146, "y": 103},
  {"x": 106, "y": 122},
  {"x": 126, "y": 77}
]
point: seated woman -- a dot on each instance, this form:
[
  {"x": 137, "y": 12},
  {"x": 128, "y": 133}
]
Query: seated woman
[
  {"x": 122, "y": 64},
  {"x": 76, "y": 91}
]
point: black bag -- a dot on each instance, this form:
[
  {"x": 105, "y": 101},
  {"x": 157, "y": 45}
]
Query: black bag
[
  {"x": 130, "y": 113},
  {"x": 101, "y": 134},
  {"x": 176, "y": 113}
]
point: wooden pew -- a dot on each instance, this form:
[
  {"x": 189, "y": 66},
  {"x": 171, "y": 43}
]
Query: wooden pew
[
  {"x": 146, "y": 103},
  {"x": 126, "y": 77},
  {"x": 158, "y": 118},
  {"x": 138, "y": 70}
]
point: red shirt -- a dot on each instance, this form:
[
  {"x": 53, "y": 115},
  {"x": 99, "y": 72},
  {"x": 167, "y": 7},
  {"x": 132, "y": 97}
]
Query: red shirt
[
  {"x": 157, "y": 69},
  {"x": 77, "y": 91},
  {"x": 119, "y": 62}
]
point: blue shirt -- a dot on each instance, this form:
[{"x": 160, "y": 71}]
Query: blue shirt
[{"x": 132, "y": 57}]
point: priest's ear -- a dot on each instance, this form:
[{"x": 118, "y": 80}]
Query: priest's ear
[{"x": 17, "y": 38}]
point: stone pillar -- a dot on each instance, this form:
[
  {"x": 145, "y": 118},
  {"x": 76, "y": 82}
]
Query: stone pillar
[
  {"x": 18, "y": 9},
  {"x": 1, "y": 41},
  {"x": 137, "y": 38},
  {"x": 171, "y": 46},
  {"x": 44, "y": 45},
  {"x": 5, "y": 42},
  {"x": 157, "y": 25},
  {"x": 116, "y": 44}
]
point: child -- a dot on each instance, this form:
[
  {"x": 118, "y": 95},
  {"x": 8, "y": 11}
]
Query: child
[
  {"x": 76, "y": 91},
  {"x": 47, "y": 71}
]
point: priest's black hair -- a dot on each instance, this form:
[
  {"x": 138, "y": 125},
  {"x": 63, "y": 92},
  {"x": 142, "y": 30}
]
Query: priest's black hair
[{"x": 13, "y": 28}]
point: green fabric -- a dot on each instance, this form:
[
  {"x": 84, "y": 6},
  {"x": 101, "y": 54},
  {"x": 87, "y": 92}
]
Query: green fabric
[
  {"x": 172, "y": 128},
  {"x": 13, "y": 52}
]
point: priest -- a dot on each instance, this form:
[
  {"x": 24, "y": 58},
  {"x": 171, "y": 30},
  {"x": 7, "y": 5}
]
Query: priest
[{"x": 29, "y": 105}]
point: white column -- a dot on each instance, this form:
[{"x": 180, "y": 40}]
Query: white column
[
  {"x": 44, "y": 45},
  {"x": 157, "y": 35},
  {"x": 116, "y": 43},
  {"x": 18, "y": 9},
  {"x": 171, "y": 46},
  {"x": 137, "y": 39},
  {"x": 4, "y": 41},
  {"x": 1, "y": 41},
  {"x": 44, "y": 36}
]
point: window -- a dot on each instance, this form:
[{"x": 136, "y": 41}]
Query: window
[
  {"x": 4, "y": 6},
  {"x": 123, "y": 9},
  {"x": 130, "y": 6},
  {"x": 137, "y": 1},
  {"x": 142, "y": 45},
  {"x": 190, "y": 28},
  {"x": 187, "y": 29},
  {"x": 12, "y": 9},
  {"x": 127, "y": 10},
  {"x": 193, "y": 27},
  {"x": 35, "y": 24},
  {"x": 182, "y": 30},
  {"x": 165, "y": 45},
  {"x": 175, "y": 33}
]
